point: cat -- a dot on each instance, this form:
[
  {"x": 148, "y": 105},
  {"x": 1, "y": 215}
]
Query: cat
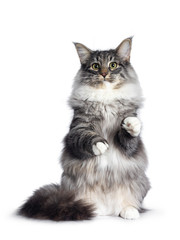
[{"x": 103, "y": 159}]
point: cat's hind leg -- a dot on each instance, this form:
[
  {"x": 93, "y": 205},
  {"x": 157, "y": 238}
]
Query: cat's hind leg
[
  {"x": 129, "y": 212},
  {"x": 129, "y": 204}
]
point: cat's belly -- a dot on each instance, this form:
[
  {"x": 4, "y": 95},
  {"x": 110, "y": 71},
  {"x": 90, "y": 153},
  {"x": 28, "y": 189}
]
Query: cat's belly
[
  {"x": 110, "y": 192},
  {"x": 118, "y": 164}
]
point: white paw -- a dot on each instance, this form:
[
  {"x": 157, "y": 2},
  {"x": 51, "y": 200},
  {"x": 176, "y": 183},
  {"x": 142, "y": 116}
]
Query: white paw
[
  {"x": 99, "y": 148},
  {"x": 132, "y": 126},
  {"x": 129, "y": 213}
]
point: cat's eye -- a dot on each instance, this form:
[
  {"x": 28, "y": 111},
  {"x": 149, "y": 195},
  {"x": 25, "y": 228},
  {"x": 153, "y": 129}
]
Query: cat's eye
[
  {"x": 113, "y": 65},
  {"x": 96, "y": 66}
]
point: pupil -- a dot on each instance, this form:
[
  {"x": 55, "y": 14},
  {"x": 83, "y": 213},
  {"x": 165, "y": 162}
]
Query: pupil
[{"x": 96, "y": 66}]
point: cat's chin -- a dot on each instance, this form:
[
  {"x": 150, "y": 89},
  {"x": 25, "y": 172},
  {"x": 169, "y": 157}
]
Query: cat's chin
[
  {"x": 103, "y": 85},
  {"x": 108, "y": 84}
]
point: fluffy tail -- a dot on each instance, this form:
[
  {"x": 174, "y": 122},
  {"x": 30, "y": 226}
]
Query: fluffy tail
[{"x": 51, "y": 202}]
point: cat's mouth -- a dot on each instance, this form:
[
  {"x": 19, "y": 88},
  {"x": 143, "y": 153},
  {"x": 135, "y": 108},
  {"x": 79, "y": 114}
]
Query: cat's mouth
[{"x": 108, "y": 80}]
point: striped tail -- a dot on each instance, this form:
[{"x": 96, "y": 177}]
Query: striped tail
[{"x": 53, "y": 203}]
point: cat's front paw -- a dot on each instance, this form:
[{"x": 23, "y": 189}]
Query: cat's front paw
[
  {"x": 99, "y": 148},
  {"x": 130, "y": 213},
  {"x": 132, "y": 125}
]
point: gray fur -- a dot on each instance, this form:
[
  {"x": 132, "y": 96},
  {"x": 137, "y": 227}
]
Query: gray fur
[
  {"x": 81, "y": 167},
  {"x": 86, "y": 128},
  {"x": 106, "y": 183}
]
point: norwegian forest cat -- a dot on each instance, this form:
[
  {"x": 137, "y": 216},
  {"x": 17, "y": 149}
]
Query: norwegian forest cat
[{"x": 103, "y": 159}]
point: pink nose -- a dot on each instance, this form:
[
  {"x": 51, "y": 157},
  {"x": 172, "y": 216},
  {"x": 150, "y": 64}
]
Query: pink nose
[{"x": 104, "y": 74}]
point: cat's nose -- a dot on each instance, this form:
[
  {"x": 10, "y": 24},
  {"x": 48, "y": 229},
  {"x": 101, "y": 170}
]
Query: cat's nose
[{"x": 104, "y": 74}]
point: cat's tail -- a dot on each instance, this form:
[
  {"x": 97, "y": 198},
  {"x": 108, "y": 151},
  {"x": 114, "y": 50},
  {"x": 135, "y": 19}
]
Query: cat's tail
[{"x": 53, "y": 203}]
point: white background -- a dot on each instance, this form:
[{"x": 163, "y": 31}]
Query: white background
[{"x": 37, "y": 64}]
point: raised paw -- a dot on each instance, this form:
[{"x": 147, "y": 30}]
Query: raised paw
[
  {"x": 132, "y": 125},
  {"x": 99, "y": 148},
  {"x": 129, "y": 213}
]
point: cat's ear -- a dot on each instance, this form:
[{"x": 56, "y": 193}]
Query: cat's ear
[
  {"x": 83, "y": 52},
  {"x": 124, "y": 49}
]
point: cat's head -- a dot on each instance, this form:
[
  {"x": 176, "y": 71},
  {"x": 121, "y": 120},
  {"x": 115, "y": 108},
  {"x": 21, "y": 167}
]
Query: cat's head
[{"x": 102, "y": 68}]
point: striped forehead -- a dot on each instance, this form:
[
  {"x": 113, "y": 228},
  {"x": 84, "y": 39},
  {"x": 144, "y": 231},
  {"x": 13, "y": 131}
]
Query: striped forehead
[{"x": 103, "y": 57}]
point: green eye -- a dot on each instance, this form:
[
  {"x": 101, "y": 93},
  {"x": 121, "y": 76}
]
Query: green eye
[
  {"x": 96, "y": 66},
  {"x": 113, "y": 65}
]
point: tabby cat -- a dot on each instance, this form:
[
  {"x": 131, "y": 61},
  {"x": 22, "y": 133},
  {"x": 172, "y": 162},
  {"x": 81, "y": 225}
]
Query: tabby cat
[{"x": 103, "y": 159}]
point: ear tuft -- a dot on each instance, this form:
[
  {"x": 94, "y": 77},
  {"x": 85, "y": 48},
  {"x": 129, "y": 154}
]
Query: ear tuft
[
  {"x": 124, "y": 49},
  {"x": 83, "y": 52}
]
